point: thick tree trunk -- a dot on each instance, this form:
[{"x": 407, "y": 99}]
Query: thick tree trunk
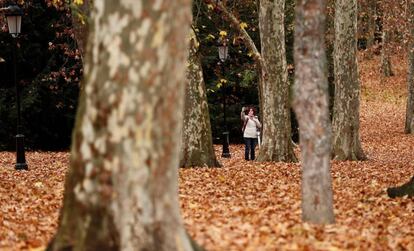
[
  {"x": 346, "y": 140},
  {"x": 386, "y": 68},
  {"x": 409, "y": 120},
  {"x": 197, "y": 143},
  {"x": 403, "y": 190},
  {"x": 312, "y": 109},
  {"x": 121, "y": 190},
  {"x": 277, "y": 143}
]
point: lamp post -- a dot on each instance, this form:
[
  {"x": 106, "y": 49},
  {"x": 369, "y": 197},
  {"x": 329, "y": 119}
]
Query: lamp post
[
  {"x": 223, "y": 50},
  {"x": 14, "y": 20}
]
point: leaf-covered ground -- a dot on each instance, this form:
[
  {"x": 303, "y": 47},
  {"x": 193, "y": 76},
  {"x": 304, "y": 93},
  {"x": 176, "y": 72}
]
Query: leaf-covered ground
[{"x": 256, "y": 206}]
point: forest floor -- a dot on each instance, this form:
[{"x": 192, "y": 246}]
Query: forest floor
[{"x": 256, "y": 206}]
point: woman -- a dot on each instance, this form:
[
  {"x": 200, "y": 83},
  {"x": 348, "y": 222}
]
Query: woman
[{"x": 250, "y": 127}]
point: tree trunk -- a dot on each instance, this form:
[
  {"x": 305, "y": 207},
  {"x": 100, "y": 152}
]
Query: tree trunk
[
  {"x": 406, "y": 189},
  {"x": 346, "y": 141},
  {"x": 197, "y": 147},
  {"x": 121, "y": 189},
  {"x": 371, "y": 14},
  {"x": 409, "y": 120},
  {"x": 366, "y": 22},
  {"x": 277, "y": 143},
  {"x": 80, "y": 20},
  {"x": 329, "y": 45},
  {"x": 312, "y": 109},
  {"x": 386, "y": 69}
]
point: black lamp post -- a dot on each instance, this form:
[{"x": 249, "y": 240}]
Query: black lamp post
[
  {"x": 14, "y": 21},
  {"x": 223, "y": 50}
]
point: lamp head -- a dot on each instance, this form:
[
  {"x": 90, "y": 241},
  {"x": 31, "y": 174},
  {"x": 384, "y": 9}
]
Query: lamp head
[
  {"x": 14, "y": 15},
  {"x": 223, "y": 49}
]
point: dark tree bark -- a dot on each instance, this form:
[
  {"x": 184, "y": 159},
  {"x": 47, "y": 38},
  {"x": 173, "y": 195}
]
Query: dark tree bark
[
  {"x": 312, "y": 109},
  {"x": 406, "y": 189},
  {"x": 346, "y": 139},
  {"x": 121, "y": 189},
  {"x": 329, "y": 45},
  {"x": 277, "y": 144},
  {"x": 197, "y": 143},
  {"x": 409, "y": 119}
]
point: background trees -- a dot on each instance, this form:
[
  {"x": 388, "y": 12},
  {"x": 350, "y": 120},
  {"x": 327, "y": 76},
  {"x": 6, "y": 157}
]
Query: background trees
[
  {"x": 54, "y": 76},
  {"x": 49, "y": 70}
]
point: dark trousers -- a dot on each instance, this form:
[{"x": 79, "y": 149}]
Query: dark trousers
[{"x": 250, "y": 145}]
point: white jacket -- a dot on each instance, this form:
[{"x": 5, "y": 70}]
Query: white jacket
[{"x": 251, "y": 127}]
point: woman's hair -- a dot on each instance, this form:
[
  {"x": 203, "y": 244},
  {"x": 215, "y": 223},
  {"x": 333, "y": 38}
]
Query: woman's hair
[{"x": 250, "y": 108}]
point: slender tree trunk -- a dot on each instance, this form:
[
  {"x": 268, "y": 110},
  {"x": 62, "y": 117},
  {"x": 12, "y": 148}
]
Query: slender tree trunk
[
  {"x": 366, "y": 21},
  {"x": 346, "y": 140},
  {"x": 80, "y": 19},
  {"x": 277, "y": 143},
  {"x": 386, "y": 68},
  {"x": 197, "y": 148},
  {"x": 312, "y": 109},
  {"x": 409, "y": 120},
  {"x": 121, "y": 190},
  {"x": 371, "y": 14},
  {"x": 329, "y": 45}
]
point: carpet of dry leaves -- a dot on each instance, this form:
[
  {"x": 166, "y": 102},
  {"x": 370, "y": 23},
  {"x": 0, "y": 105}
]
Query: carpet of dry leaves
[{"x": 256, "y": 206}]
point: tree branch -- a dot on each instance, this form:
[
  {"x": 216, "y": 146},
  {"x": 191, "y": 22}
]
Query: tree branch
[{"x": 248, "y": 41}]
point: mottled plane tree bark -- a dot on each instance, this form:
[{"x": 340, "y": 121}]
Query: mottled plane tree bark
[
  {"x": 312, "y": 109},
  {"x": 197, "y": 143},
  {"x": 121, "y": 189},
  {"x": 273, "y": 86},
  {"x": 277, "y": 143},
  {"x": 346, "y": 139}
]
